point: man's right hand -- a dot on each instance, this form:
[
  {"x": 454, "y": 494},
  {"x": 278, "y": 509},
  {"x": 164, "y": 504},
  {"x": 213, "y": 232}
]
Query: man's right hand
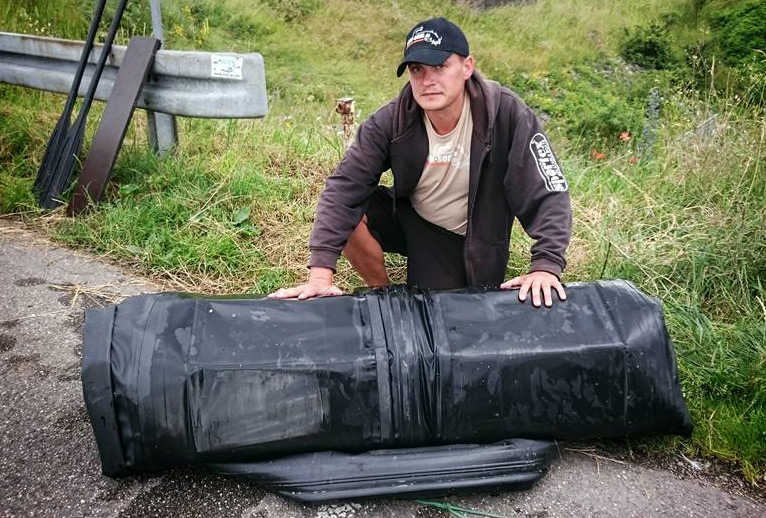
[{"x": 319, "y": 285}]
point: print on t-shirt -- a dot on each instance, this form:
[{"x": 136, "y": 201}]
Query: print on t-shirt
[{"x": 441, "y": 195}]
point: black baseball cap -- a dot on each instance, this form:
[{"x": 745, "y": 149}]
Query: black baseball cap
[{"x": 432, "y": 42}]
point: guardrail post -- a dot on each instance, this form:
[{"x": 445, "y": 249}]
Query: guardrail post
[{"x": 163, "y": 131}]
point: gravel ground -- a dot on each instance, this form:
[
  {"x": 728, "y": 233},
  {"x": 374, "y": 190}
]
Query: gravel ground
[{"x": 50, "y": 464}]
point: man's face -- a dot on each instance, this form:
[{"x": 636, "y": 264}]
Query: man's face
[{"x": 440, "y": 87}]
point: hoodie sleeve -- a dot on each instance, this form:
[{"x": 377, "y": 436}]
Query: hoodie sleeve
[
  {"x": 348, "y": 189},
  {"x": 537, "y": 192}
]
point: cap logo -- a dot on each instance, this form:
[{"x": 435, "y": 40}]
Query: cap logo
[{"x": 427, "y": 36}]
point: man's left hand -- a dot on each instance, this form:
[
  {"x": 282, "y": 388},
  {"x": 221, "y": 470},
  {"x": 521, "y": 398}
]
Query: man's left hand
[{"x": 536, "y": 282}]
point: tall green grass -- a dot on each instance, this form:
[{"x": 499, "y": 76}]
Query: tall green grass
[
  {"x": 688, "y": 227},
  {"x": 231, "y": 211}
]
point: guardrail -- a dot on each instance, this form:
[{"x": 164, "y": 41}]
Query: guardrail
[{"x": 189, "y": 84}]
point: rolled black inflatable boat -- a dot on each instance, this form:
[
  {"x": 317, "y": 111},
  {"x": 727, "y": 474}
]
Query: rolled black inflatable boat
[{"x": 237, "y": 383}]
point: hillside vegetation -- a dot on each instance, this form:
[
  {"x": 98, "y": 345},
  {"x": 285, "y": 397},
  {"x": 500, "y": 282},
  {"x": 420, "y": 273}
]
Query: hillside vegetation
[{"x": 656, "y": 109}]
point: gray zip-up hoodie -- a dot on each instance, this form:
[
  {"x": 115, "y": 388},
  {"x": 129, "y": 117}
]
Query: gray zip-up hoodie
[{"x": 513, "y": 173}]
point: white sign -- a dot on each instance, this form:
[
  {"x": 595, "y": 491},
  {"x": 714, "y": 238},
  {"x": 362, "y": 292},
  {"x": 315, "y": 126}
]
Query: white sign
[{"x": 226, "y": 67}]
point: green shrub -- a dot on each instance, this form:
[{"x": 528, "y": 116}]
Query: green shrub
[
  {"x": 740, "y": 32},
  {"x": 592, "y": 103},
  {"x": 648, "y": 47},
  {"x": 729, "y": 53}
]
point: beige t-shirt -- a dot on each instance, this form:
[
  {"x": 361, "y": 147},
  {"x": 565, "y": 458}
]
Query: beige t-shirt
[{"x": 441, "y": 195}]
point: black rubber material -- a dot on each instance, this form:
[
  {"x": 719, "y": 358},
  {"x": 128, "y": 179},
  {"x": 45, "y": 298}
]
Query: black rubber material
[
  {"x": 97, "y": 390},
  {"x": 404, "y": 472},
  {"x": 175, "y": 379}
]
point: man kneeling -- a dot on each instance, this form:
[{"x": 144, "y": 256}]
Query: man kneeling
[{"x": 467, "y": 157}]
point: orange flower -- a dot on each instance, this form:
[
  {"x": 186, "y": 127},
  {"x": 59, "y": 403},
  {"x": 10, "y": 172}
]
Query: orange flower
[
  {"x": 633, "y": 160},
  {"x": 625, "y": 136},
  {"x": 595, "y": 154}
]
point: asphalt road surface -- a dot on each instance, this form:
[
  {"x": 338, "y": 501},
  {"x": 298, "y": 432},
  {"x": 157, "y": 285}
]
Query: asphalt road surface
[{"x": 49, "y": 463}]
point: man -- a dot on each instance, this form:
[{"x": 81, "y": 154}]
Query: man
[{"x": 467, "y": 157}]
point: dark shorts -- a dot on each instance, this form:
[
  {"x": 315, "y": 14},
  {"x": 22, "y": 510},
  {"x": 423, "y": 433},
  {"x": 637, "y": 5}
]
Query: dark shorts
[{"x": 435, "y": 258}]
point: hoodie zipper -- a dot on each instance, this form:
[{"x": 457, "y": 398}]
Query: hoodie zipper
[
  {"x": 472, "y": 201},
  {"x": 393, "y": 175}
]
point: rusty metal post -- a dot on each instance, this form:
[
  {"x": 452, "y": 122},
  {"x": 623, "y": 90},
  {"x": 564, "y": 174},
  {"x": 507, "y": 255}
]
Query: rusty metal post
[{"x": 345, "y": 106}]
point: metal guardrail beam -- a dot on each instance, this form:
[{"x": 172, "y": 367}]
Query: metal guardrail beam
[{"x": 190, "y": 84}]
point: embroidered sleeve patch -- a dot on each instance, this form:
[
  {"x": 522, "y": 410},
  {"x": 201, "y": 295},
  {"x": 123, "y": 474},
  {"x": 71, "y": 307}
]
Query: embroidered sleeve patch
[{"x": 547, "y": 165}]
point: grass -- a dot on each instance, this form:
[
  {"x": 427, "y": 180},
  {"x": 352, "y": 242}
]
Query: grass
[
  {"x": 231, "y": 211},
  {"x": 689, "y": 228}
]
